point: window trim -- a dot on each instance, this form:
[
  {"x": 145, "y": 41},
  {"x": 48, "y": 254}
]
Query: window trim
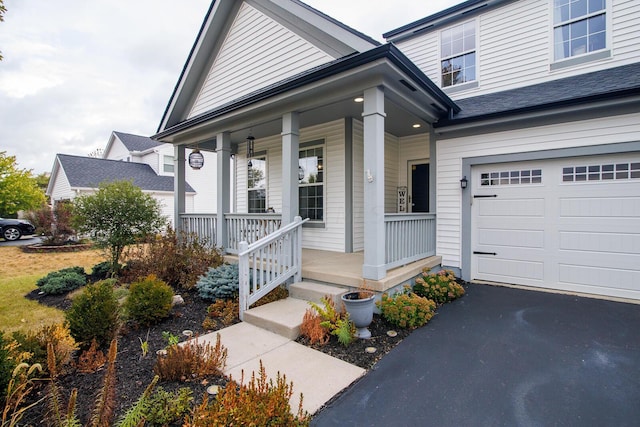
[
  {"x": 317, "y": 143},
  {"x": 583, "y": 58},
  {"x": 165, "y": 164},
  {"x": 468, "y": 84},
  {"x": 256, "y": 156}
]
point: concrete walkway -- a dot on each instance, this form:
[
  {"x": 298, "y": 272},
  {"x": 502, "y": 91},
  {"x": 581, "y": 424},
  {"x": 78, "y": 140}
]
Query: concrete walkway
[
  {"x": 505, "y": 357},
  {"x": 314, "y": 374}
]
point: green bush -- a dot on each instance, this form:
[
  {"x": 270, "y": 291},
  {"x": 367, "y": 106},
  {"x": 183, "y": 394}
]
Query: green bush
[
  {"x": 440, "y": 287},
  {"x": 62, "y": 281},
  {"x": 94, "y": 314},
  {"x": 166, "y": 408},
  {"x": 219, "y": 283},
  {"x": 406, "y": 310},
  {"x": 101, "y": 271},
  {"x": 149, "y": 300}
]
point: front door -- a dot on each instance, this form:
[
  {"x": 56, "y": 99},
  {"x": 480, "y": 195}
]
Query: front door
[{"x": 419, "y": 187}]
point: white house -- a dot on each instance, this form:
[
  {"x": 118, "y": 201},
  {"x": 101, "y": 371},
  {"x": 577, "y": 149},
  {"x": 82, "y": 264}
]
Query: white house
[
  {"x": 148, "y": 163},
  {"x": 499, "y": 136}
]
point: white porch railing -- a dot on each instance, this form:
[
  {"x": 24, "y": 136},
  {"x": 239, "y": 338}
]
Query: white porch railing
[
  {"x": 201, "y": 225},
  {"x": 409, "y": 237},
  {"x": 269, "y": 262},
  {"x": 249, "y": 228}
]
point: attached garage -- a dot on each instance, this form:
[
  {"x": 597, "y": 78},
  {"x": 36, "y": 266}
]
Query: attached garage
[{"x": 571, "y": 224}]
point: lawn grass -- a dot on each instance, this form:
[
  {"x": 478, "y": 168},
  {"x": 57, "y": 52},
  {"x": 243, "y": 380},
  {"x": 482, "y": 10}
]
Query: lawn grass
[{"x": 19, "y": 272}]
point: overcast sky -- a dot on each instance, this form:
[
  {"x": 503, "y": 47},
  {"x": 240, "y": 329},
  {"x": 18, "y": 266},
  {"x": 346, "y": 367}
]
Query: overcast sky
[{"x": 75, "y": 70}]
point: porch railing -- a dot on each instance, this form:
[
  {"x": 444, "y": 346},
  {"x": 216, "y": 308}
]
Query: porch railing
[
  {"x": 269, "y": 262},
  {"x": 249, "y": 228},
  {"x": 409, "y": 237},
  {"x": 202, "y": 225}
]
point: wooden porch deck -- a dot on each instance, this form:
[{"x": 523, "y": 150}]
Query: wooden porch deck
[{"x": 340, "y": 269}]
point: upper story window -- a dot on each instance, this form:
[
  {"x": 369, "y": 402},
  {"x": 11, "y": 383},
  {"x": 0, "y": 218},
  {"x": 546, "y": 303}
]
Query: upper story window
[
  {"x": 257, "y": 185},
  {"x": 311, "y": 183},
  {"x": 458, "y": 54},
  {"x": 167, "y": 164},
  {"x": 579, "y": 26}
]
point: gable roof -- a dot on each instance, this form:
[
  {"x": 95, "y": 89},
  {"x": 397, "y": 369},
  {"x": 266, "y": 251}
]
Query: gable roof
[
  {"x": 600, "y": 85},
  {"x": 136, "y": 142},
  {"x": 330, "y": 35},
  {"x": 90, "y": 172}
]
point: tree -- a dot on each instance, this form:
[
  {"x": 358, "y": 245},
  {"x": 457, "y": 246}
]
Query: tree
[
  {"x": 117, "y": 215},
  {"x": 2, "y": 12},
  {"x": 18, "y": 188}
]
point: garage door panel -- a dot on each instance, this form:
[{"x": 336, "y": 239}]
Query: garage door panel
[
  {"x": 623, "y": 280},
  {"x": 509, "y": 270},
  {"x": 617, "y": 243},
  {"x": 523, "y": 238},
  {"x": 609, "y": 225},
  {"x": 511, "y": 207},
  {"x": 610, "y": 207}
]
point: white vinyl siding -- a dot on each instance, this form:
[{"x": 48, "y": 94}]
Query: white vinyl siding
[
  {"x": 515, "y": 46},
  {"x": 256, "y": 52},
  {"x": 391, "y": 173},
  {"x": 607, "y": 130},
  {"x": 411, "y": 148},
  {"x": 61, "y": 188}
]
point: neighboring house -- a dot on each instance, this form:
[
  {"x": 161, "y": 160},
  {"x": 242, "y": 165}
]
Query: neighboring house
[
  {"x": 73, "y": 176},
  {"x": 499, "y": 135}
]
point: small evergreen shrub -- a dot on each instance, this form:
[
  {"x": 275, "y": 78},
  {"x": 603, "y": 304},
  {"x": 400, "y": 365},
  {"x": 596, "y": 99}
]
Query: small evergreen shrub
[
  {"x": 56, "y": 335},
  {"x": 440, "y": 287},
  {"x": 94, "y": 314},
  {"x": 192, "y": 360},
  {"x": 62, "y": 281},
  {"x": 149, "y": 300},
  {"x": 166, "y": 408},
  {"x": 406, "y": 310},
  {"x": 219, "y": 283},
  {"x": 222, "y": 313},
  {"x": 101, "y": 271}
]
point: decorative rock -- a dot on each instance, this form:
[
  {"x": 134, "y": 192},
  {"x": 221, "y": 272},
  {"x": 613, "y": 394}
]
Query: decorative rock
[
  {"x": 213, "y": 390},
  {"x": 370, "y": 350},
  {"x": 187, "y": 333},
  {"x": 177, "y": 300},
  {"x": 161, "y": 352},
  {"x": 392, "y": 333}
]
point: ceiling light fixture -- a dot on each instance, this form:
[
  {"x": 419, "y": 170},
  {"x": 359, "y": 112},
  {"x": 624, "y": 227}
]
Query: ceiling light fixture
[{"x": 358, "y": 99}]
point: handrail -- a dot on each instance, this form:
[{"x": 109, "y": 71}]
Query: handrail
[{"x": 269, "y": 262}]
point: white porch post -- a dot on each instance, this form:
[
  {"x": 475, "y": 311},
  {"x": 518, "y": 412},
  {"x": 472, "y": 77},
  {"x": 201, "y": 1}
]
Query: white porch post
[
  {"x": 374, "y": 238},
  {"x": 223, "y": 182},
  {"x": 290, "y": 153},
  {"x": 179, "y": 187}
]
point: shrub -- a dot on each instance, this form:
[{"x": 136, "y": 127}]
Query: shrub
[
  {"x": 261, "y": 402},
  {"x": 101, "y": 271},
  {"x": 222, "y": 312},
  {"x": 149, "y": 300},
  {"x": 7, "y": 364},
  {"x": 192, "y": 360},
  {"x": 311, "y": 328},
  {"x": 219, "y": 283},
  {"x": 167, "y": 408},
  {"x": 335, "y": 323},
  {"x": 94, "y": 314},
  {"x": 91, "y": 359},
  {"x": 62, "y": 281},
  {"x": 177, "y": 259},
  {"x": 440, "y": 287},
  {"x": 406, "y": 310},
  {"x": 56, "y": 335}
]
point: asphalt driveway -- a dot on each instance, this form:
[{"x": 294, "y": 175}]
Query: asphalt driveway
[{"x": 506, "y": 357}]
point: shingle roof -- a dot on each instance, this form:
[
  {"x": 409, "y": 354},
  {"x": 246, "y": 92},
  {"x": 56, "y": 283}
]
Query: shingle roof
[
  {"x": 583, "y": 88},
  {"x": 89, "y": 172},
  {"x": 136, "y": 142}
]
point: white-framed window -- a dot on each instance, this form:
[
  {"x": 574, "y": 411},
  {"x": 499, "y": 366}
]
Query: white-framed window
[
  {"x": 604, "y": 172},
  {"x": 257, "y": 184},
  {"x": 167, "y": 164},
  {"x": 311, "y": 182},
  {"x": 458, "y": 54},
  {"x": 579, "y": 27},
  {"x": 511, "y": 177}
]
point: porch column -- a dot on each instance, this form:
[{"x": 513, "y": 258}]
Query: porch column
[
  {"x": 179, "y": 187},
  {"x": 374, "y": 238},
  {"x": 223, "y": 189},
  {"x": 290, "y": 153}
]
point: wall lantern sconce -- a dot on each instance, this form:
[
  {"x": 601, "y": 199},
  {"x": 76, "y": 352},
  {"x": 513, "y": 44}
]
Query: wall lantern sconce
[
  {"x": 250, "y": 147},
  {"x": 463, "y": 182},
  {"x": 196, "y": 159}
]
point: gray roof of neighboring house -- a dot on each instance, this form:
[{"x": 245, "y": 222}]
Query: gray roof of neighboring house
[
  {"x": 136, "y": 142},
  {"x": 89, "y": 172},
  {"x": 611, "y": 83}
]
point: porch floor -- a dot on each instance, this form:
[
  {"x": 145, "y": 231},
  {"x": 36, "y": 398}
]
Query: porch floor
[{"x": 342, "y": 269}]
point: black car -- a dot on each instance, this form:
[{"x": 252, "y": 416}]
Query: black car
[{"x": 13, "y": 229}]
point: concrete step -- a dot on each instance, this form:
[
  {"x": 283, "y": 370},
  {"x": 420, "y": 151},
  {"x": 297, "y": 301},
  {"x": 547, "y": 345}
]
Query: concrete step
[
  {"x": 282, "y": 317},
  {"x": 311, "y": 291}
]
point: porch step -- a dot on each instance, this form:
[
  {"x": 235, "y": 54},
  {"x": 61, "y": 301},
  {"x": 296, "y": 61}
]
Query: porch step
[{"x": 284, "y": 317}]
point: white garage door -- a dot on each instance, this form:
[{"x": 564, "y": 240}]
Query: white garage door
[{"x": 570, "y": 224}]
